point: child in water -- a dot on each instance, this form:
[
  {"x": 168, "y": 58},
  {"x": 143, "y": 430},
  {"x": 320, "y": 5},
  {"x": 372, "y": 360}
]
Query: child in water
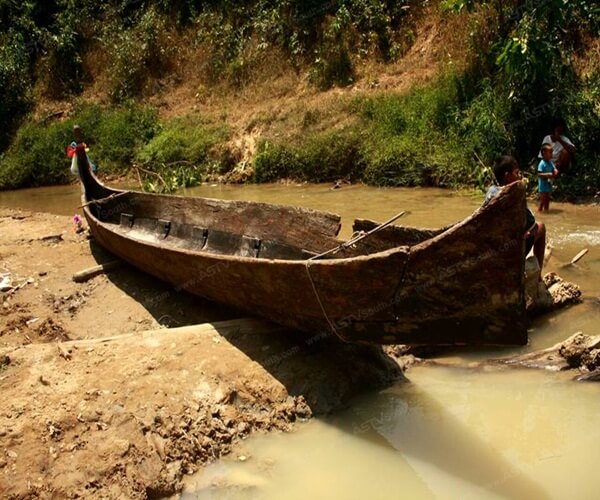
[{"x": 546, "y": 172}]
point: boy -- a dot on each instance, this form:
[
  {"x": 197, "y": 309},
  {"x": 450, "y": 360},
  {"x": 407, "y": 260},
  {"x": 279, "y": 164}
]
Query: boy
[
  {"x": 506, "y": 171},
  {"x": 545, "y": 171}
]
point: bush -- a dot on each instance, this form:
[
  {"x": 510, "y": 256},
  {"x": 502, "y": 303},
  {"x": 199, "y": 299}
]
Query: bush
[
  {"x": 37, "y": 154},
  {"x": 320, "y": 157},
  {"x": 416, "y": 161},
  {"x": 485, "y": 125},
  {"x": 414, "y": 139},
  {"x": 583, "y": 113},
  {"x": 136, "y": 53},
  {"x": 120, "y": 133},
  {"x": 183, "y": 153},
  {"x": 15, "y": 84},
  {"x": 332, "y": 68},
  {"x": 183, "y": 140},
  {"x": 275, "y": 161}
]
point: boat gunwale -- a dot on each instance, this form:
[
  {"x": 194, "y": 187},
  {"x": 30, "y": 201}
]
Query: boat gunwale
[{"x": 384, "y": 254}]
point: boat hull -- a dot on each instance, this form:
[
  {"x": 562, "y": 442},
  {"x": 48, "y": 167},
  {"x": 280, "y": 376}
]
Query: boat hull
[{"x": 463, "y": 286}]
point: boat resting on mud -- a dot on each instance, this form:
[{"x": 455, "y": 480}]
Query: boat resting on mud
[{"x": 463, "y": 284}]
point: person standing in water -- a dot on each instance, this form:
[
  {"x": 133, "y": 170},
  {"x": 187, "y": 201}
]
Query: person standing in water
[
  {"x": 562, "y": 147},
  {"x": 546, "y": 171}
]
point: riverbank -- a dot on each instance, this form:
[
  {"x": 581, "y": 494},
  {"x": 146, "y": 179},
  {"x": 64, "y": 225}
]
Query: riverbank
[{"x": 101, "y": 399}]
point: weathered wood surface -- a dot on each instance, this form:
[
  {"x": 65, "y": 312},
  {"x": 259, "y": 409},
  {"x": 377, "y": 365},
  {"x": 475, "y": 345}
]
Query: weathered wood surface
[
  {"x": 304, "y": 228},
  {"x": 468, "y": 281},
  {"x": 462, "y": 286}
]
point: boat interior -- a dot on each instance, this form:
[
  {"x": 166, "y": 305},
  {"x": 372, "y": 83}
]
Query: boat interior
[
  {"x": 233, "y": 229},
  {"x": 237, "y": 228}
]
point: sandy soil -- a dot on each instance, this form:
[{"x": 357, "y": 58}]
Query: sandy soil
[{"x": 101, "y": 400}]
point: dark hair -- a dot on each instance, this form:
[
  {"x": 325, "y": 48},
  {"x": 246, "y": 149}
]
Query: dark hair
[
  {"x": 557, "y": 121},
  {"x": 504, "y": 165}
]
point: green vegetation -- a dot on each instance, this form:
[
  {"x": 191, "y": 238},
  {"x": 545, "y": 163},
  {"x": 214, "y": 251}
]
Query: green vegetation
[
  {"x": 521, "y": 70},
  {"x": 315, "y": 157},
  {"x": 183, "y": 153},
  {"x": 37, "y": 155}
]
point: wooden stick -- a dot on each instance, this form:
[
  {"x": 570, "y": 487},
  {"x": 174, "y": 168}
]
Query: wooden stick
[
  {"x": 576, "y": 259},
  {"x": 360, "y": 237},
  {"x": 579, "y": 256},
  {"x": 86, "y": 274},
  {"x": 150, "y": 172},
  {"x": 100, "y": 201}
]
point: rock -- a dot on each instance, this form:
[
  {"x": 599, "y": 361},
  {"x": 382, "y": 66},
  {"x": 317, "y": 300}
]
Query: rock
[
  {"x": 563, "y": 293},
  {"x": 4, "y": 361},
  {"x": 302, "y": 409},
  {"x": 5, "y": 283},
  {"x": 579, "y": 352},
  {"x": 122, "y": 446},
  {"x": 548, "y": 294}
]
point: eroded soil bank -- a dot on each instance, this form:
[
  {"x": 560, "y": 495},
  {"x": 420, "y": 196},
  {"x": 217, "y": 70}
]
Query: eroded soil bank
[{"x": 100, "y": 399}]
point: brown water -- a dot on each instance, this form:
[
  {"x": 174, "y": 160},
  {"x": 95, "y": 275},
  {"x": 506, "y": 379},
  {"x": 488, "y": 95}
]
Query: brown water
[
  {"x": 59, "y": 200},
  {"x": 448, "y": 432}
]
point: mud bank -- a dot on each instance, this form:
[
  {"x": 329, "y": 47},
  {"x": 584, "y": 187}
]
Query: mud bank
[{"x": 100, "y": 398}]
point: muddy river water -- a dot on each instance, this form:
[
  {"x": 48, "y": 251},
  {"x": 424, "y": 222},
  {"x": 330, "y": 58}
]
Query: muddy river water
[{"x": 447, "y": 432}]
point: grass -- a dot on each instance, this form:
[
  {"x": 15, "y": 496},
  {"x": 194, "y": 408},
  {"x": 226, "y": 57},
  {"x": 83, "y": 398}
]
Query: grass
[{"x": 432, "y": 136}]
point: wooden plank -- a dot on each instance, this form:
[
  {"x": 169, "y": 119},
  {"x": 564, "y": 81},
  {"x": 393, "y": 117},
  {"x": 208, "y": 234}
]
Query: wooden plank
[{"x": 223, "y": 328}]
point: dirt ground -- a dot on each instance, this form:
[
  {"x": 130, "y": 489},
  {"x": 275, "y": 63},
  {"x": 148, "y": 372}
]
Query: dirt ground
[{"x": 100, "y": 399}]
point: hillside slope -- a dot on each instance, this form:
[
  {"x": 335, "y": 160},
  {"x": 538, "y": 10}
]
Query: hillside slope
[{"x": 402, "y": 93}]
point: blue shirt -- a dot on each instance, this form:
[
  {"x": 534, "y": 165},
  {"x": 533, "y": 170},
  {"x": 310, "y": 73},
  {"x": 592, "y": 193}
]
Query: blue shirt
[{"x": 545, "y": 167}]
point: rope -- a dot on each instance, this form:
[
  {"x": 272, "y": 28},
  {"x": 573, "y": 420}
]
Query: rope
[
  {"x": 360, "y": 235},
  {"x": 314, "y": 287},
  {"x": 399, "y": 286}
]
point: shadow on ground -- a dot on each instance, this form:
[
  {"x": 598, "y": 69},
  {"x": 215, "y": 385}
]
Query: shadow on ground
[{"x": 320, "y": 367}]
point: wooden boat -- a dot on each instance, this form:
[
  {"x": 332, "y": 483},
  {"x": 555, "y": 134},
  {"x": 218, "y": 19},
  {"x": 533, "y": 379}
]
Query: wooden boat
[{"x": 462, "y": 284}]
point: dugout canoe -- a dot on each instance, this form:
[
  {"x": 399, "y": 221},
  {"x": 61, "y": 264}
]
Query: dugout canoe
[{"x": 463, "y": 284}]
